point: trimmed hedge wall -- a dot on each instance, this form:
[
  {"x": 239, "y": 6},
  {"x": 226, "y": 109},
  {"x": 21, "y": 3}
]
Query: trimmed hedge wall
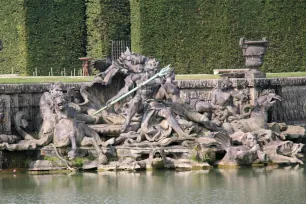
[
  {"x": 12, "y": 34},
  {"x": 107, "y": 20},
  {"x": 56, "y": 35},
  {"x": 197, "y": 36}
]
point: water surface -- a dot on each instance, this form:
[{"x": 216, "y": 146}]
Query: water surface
[{"x": 254, "y": 185}]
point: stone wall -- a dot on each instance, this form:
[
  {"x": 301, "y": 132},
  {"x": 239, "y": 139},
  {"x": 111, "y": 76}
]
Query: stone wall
[
  {"x": 15, "y": 97},
  {"x": 292, "y": 110}
]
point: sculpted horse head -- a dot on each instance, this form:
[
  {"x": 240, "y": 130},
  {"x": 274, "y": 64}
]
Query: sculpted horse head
[{"x": 266, "y": 100}]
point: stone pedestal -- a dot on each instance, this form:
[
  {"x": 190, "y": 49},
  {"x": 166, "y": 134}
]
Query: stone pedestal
[
  {"x": 254, "y": 73},
  {"x": 253, "y": 52}
]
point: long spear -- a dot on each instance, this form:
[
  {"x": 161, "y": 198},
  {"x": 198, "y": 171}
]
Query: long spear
[{"x": 162, "y": 73}]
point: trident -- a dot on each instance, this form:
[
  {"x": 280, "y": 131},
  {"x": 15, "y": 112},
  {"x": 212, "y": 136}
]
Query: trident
[{"x": 164, "y": 71}]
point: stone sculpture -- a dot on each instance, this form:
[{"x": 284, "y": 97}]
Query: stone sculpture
[
  {"x": 134, "y": 117},
  {"x": 68, "y": 130},
  {"x": 222, "y": 101},
  {"x": 247, "y": 153},
  {"x": 258, "y": 117}
]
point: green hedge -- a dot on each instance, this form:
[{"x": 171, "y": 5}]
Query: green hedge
[
  {"x": 56, "y": 35},
  {"x": 197, "y": 36},
  {"x": 107, "y": 20},
  {"x": 12, "y": 34}
]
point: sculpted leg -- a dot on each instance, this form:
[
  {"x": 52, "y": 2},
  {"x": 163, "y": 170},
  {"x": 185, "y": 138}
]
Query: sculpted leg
[
  {"x": 135, "y": 105},
  {"x": 93, "y": 138},
  {"x": 204, "y": 108},
  {"x": 72, "y": 152},
  {"x": 194, "y": 116},
  {"x": 201, "y": 119},
  {"x": 102, "y": 159},
  {"x": 167, "y": 114}
]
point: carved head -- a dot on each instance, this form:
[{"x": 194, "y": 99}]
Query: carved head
[
  {"x": 267, "y": 99},
  {"x": 56, "y": 89},
  {"x": 60, "y": 102},
  {"x": 151, "y": 64},
  {"x": 131, "y": 57},
  {"x": 249, "y": 140},
  {"x": 288, "y": 148},
  {"x": 225, "y": 84}
]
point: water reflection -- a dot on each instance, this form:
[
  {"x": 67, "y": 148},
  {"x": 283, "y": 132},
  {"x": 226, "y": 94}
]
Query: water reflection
[{"x": 255, "y": 185}]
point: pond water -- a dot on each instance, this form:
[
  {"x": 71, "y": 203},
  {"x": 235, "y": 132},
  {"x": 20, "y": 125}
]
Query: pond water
[{"x": 253, "y": 185}]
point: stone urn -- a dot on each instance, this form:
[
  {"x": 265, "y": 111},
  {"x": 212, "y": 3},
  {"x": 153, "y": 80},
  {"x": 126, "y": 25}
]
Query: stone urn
[{"x": 253, "y": 52}]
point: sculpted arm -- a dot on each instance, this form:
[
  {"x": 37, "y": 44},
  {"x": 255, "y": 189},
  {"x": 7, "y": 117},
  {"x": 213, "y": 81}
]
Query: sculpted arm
[
  {"x": 161, "y": 93},
  {"x": 129, "y": 81},
  {"x": 214, "y": 104},
  {"x": 135, "y": 105},
  {"x": 237, "y": 95}
]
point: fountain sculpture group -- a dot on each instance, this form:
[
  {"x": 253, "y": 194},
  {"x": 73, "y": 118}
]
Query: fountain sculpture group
[{"x": 132, "y": 116}]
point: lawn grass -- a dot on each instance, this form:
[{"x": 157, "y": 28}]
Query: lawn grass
[
  {"x": 286, "y": 74},
  {"x": 216, "y": 76},
  {"x": 67, "y": 79},
  {"x": 43, "y": 79}
]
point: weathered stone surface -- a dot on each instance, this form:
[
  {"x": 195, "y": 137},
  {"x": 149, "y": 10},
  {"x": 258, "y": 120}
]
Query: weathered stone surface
[
  {"x": 294, "y": 132},
  {"x": 162, "y": 124},
  {"x": 45, "y": 165},
  {"x": 5, "y": 114},
  {"x": 33, "y": 88}
]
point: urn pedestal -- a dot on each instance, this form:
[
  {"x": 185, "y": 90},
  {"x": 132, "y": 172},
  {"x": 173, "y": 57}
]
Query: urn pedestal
[{"x": 253, "y": 52}]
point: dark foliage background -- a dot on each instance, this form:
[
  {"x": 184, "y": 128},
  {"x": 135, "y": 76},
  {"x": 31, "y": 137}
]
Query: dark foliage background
[
  {"x": 107, "y": 20},
  {"x": 195, "y": 36},
  {"x": 12, "y": 34}
]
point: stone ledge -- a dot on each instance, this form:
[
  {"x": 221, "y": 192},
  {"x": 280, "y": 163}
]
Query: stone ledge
[
  {"x": 183, "y": 84},
  {"x": 222, "y": 71},
  {"x": 33, "y": 88},
  {"x": 257, "y": 82}
]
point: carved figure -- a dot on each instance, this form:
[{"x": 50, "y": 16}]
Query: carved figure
[
  {"x": 169, "y": 91},
  {"x": 284, "y": 152},
  {"x": 46, "y": 105},
  {"x": 45, "y": 134},
  {"x": 222, "y": 101},
  {"x": 259, "y": 116},
  {"x": 69, "y": 131},
  {"x": 144, "y": 100},
  {"x": 246, "y": 154},
  {"x": 128, "y": 62},
  {"x": 138, "y": 112},
  {"x": 9, "y": 139}
]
